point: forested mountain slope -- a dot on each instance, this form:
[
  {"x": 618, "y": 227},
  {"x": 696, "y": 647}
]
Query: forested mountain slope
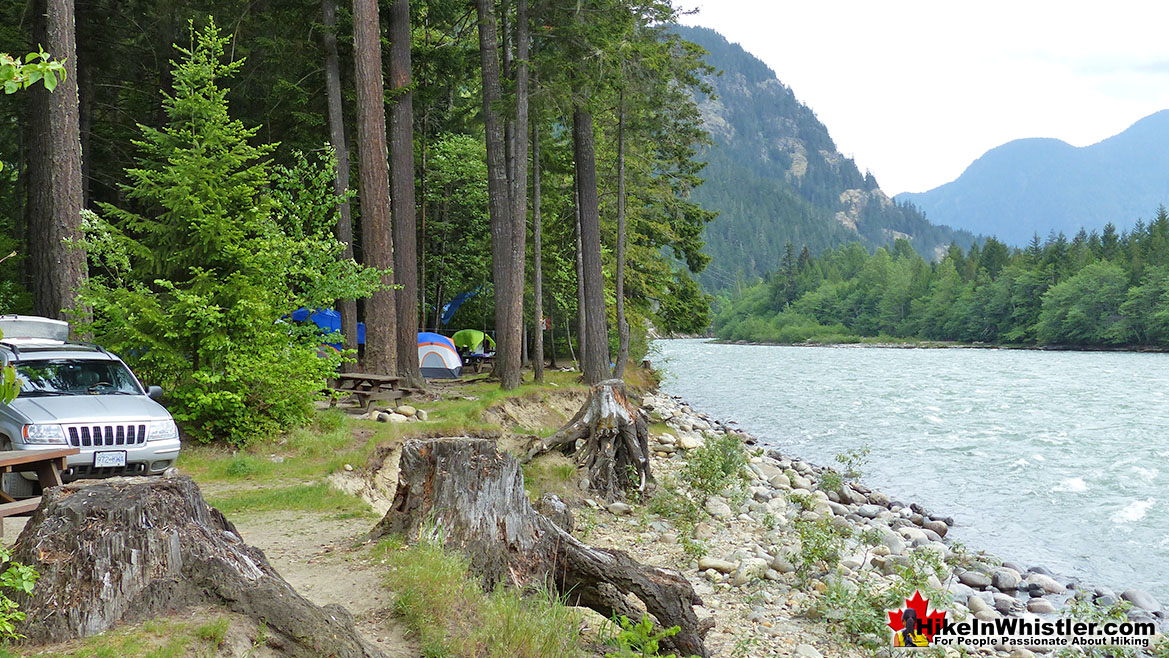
[
  {"x": 1033, "y": 186},
  {"x": 775, "y": 175}
]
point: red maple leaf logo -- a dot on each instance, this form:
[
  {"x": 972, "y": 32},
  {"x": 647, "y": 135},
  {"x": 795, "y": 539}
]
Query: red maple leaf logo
[{"x": 931, "y": 622}]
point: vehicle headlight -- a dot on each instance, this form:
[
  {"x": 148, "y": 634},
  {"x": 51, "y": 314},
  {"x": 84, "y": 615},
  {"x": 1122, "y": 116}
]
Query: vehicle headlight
[
  {"x": 45, "y": 434},
  {"x": 161, "y": 430}
]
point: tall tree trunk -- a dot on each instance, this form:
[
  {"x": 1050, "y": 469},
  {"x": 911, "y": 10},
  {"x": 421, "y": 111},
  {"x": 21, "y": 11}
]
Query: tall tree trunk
[
  {"x": 552, "y": 334},
  {"x": 402, "y": 197},
  {"x": 519, "y": 181},
  {"x": 581, "y": 307},
  {"x": 537, "y": 264},
  {"x": 374, "y": 185},
  {"x": 508, "y": 300},
  {"x": 595, "y": 362},
  {"x": 54, "y": 179},
  {"x": 622, "y": 325},
  {"x": 87, "y": 54},
  {"x": 346, "y": 307}
]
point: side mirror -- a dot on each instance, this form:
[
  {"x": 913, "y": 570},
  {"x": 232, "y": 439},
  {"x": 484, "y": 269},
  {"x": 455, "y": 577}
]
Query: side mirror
[{"x": 154, "y": 392}]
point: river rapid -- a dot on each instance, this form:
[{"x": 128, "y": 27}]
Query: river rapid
[{"x": 1059, "y": 459}]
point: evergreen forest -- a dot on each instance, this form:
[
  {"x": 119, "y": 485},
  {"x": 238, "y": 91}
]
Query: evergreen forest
[{"x": 1097, "y": 289}]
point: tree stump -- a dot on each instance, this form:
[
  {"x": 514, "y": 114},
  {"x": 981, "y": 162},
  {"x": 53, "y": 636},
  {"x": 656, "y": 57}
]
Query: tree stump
[
  {"x": 616, "y": 441},
  {"x": 129, "y": 549},
  {"x": 475, "y": 496}
]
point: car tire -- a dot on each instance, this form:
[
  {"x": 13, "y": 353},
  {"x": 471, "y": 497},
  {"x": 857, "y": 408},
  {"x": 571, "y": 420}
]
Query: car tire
[{"x": 17, "y": 487}]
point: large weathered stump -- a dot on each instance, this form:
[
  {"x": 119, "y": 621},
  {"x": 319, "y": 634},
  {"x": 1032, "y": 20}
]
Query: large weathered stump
[
  {"x": 474, "y": 495},
  {"x": 129, "y": 549},
  {"x": 615, "y": 435}
]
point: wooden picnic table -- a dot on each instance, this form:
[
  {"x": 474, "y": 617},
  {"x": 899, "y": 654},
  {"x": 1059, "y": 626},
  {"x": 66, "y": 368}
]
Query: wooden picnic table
[
  {"x": 368, "y": 387},
  {"x": 47, "y": 464}
]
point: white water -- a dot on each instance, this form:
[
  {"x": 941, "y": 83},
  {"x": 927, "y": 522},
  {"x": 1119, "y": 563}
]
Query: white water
[{"x": 1059, "y": 459}]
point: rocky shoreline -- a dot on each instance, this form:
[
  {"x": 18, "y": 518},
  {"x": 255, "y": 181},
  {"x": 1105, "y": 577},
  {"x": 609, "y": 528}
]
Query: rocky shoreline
[{"x": 757, "y": 563}]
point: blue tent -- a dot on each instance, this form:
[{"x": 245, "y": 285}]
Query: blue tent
[
  {"x": 438, "y": 357},
  {"x": 329, "y": 321}
]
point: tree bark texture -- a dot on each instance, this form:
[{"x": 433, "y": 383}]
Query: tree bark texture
[
  {"x": 614, "y": 441},
  {"x": 595, "y": 361},
  {"x": 54, "y": 173},
  {"x": 581, "y": 307},
  {"x": 402, "y": 194},
  {"x": 346, "y": 307},
  {"x": 537, "y": 263},
  {"x": 622, "y": 325},
  {"x": 474, "y": 496},
  {"x": 381, "y": 353},
  {"x": 129, "y": 549},
  {"x": 508, "y": 299},
  {"x": 519, "y": 180}
]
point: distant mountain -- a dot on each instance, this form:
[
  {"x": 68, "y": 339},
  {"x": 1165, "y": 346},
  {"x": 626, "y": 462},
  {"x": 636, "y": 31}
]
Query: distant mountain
[
  {"x": 774, "y": 174},
  {"x": 1031, "y": 186}
]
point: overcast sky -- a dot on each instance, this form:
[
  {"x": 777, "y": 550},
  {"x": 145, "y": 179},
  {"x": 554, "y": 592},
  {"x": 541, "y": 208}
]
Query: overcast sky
[{"x": 916, "y": 90}]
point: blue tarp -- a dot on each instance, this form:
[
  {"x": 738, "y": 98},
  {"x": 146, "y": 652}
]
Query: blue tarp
[
  {"x": 329, "y": 321},
  {"x": 449, "y": 308}
]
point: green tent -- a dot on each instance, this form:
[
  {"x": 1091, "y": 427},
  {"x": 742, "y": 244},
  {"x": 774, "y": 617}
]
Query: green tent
[{"x": 473, "y": 340}]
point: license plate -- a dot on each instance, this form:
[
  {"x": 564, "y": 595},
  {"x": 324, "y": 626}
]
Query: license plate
[{"x": 109, "y": 458}]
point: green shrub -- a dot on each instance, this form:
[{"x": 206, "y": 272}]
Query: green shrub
[
  {"x": 16, "y": 578},
  {"x": 638, "y": 640},
  {"x": 718, "y": 465}
]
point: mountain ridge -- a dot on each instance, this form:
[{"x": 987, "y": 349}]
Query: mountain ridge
[
  {"x": 1038, "y": 185},
  {"x": 775, "y": 175}
]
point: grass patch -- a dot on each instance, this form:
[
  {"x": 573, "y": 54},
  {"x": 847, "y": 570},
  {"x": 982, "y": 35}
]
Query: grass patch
[
  {"x": 453, "y": 617},
  {"x": 158, "y": 638},
  {"x": 552, "y": 473},
  {"x": 318, "y": 497}
]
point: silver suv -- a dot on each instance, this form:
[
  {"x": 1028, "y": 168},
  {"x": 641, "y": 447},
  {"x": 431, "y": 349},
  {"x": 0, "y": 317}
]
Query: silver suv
[{"x": 80, "y": 395}]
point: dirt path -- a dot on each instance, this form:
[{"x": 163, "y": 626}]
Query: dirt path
[{"x": 322, "y": 559}]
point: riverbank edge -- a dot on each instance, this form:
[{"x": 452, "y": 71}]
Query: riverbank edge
[
  {"x": 747, "y": 563},
  {"x": 914, "y": 344}
]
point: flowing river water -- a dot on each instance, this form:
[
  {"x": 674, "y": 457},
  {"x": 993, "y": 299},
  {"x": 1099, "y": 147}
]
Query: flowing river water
[{"x": 1059, "y": 459}]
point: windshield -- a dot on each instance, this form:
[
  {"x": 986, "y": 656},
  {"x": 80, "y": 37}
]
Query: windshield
[{"x": 75, "y": 377}]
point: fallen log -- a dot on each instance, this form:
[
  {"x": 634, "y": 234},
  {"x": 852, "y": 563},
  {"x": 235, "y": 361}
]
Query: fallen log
[
  {"x": 615, "y": 436},
  {"x": 129, "y": 549},
  {"x": 473, "y": 496}
]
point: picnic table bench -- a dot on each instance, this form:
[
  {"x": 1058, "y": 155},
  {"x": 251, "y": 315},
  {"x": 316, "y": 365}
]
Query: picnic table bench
[
  {"x": 47, "y": 464},
  {"x": 368, "y": 388}
]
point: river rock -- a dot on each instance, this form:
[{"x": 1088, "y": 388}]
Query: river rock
[
  {"x": 1006, "y": 579},
  {"x": 689, "y": 442},
  {"x": 808, "y": 651},
  {"x": 870, "y": 511},
  {"x": 619, "y": 509},
  {"x": 667, "y": 439},
  {"x": 1049, "y": 584},
  {"x": 782, "y": 564},
  {"x": 766, "y": 471},
  {"x": 936, "y": 526},
  {"x": 406, "y": 410},
  {"x": 891, "y": 540},
  {"x": 878, "y": 498},
  {"x": 1141, "y": 599},
  {"x": 975, "y": 579},
  {"x": 961, "y": 593},
  {"x": 718, "y": 508},
  {"x": 978, "y": 604},
  {"x": 780, "y": 481},
  {"x": 721, "y": 566},
  {"x": 1040, "y": 606},
  {"x": 395, "y": 418},
  {"x": 1008, "y": 605}
]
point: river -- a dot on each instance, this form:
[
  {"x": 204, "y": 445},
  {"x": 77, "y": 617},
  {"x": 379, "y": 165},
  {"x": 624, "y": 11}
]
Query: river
[{"x": 1059, "y": 459}]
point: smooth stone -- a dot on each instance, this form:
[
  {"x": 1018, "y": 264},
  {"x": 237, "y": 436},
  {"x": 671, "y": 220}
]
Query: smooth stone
[
  {"x": 870, "y": 511},
  {"x": 978, "y": 604},
  {"x": 892, "y": 541},
  {"x": 936, "y": 526},
  {"x": 397, "y": 418},
  {"x": 1040, "y": 606},
  {"x": 688, "y": 442},
  {"x": 406, "y": 410},
  {"x": 878, "y": 498},
  {"x": 422, "y": 415},
  {"x": 975, "y": 579},
  {"x": 1049, "y": 584},
  {"x": 1007, "y": 604},
  {"x": 987, "y": 615},
  {"x": 721, "y": 566},
  {"x": 780, "y": 481},
  {"x": 782, "y": 564},
  {"x": 808, "y": 651},
  {"x": 1006, "y": 580},
  {"x": 1141, "y": 599},
  {"x": 718, "y": 508},
  {"x": 619, "y": 509}
]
